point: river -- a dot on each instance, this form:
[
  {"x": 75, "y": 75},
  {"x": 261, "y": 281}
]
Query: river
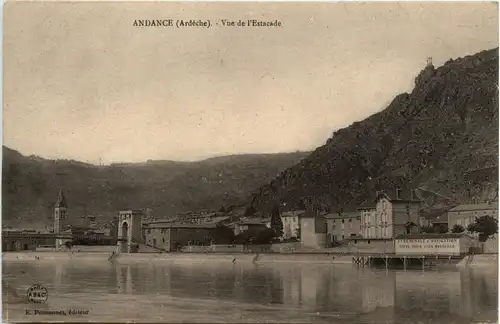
[{"x": 244, "y": 293}]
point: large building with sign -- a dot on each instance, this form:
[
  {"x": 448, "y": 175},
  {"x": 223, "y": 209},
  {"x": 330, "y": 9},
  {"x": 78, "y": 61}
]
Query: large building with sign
[{"x": 388, "y": 214}]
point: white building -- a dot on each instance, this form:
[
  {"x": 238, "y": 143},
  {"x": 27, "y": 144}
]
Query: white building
[
  {"x": 387, "y": 215},
  {"x": 291, "y": 223}
]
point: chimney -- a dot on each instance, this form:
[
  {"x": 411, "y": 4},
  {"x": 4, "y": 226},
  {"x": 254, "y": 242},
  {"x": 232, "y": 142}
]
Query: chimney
[{"x": 377, "y": 193}]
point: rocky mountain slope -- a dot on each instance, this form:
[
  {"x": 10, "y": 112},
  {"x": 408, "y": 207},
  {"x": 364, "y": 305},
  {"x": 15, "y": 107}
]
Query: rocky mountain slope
[
  {"x": 441, "y": 139},
  {"x": 30, "y": 185}
]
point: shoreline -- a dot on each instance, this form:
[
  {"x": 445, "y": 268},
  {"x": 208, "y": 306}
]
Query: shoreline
[{"x": 476, "y": 261}]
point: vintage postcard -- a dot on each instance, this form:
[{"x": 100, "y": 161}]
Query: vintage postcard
[{"x": 250, "y": 162}]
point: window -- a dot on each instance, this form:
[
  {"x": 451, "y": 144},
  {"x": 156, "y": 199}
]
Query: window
[
  {"x": 350, "y": 220},
  {"x": 163, "y": 240},
  {"x": 342, "y": 236}
]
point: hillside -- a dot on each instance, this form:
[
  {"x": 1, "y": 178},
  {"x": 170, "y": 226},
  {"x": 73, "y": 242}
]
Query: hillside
[
  {"x": 441, "y": 139},
  {"x": 30, "y": 185}
]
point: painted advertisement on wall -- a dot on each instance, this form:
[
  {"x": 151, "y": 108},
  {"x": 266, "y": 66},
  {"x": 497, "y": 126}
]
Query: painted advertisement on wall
[{"x": 444, "y": 246}]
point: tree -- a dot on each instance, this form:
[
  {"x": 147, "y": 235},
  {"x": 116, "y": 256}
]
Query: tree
[
  {"x": 441, "y": 228},
  {"x": 298, "y": 232},
  {"x": 223, "y": 235},
  {"x": 242, "y": 238},
  {"x": 249, "y": 211},
  {"x": 457, "y": 229},
  {"x": 302, "y": 204},
  {"x": 427, "y": 229},
  {"x": 276, "y": 222},
  {"x": 409, "y": 226},
  {"x": 486, "y": 226},
  {"x": 264, "y": 236}
]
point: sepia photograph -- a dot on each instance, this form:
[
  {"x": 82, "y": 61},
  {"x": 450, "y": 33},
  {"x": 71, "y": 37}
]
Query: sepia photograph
[{"x": 250, "y": 162}]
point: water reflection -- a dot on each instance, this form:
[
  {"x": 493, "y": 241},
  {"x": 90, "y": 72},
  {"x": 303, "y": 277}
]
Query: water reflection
[{"x": 279, "y": 292}]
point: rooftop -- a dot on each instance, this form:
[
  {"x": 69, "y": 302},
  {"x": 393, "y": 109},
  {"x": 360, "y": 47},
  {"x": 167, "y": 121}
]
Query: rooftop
[
  {"x": 403, "y": 195},
  {"x": 482, "y": 206},
  {"x": 133, "y": 211},
  {"x": 253, "y": 221},
  {"x": 430, "y": 236},
  {"x": 440, "y": 220},
  {"x": 181, "y": 225},
  {"x": 292, "y": 213},
  {"x": 343, "y": 215},
  {"x": 61, "y": 200}
]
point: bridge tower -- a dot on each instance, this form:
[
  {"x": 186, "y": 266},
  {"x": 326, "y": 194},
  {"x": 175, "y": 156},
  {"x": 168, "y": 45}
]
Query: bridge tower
[
  {"x": 129, "y": 230},
  {"x": 60, "y": 216}
]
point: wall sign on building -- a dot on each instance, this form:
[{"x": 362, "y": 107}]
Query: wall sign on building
[{"x": 445, "y": 246}]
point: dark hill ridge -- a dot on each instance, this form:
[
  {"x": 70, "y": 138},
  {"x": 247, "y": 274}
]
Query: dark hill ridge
[
  {"x": 441, "y": 139},
  {"x": 30, "y": 185}
]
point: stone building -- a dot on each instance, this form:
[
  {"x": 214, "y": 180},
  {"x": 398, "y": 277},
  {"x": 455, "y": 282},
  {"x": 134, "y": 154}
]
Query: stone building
[
  {"x": 173, "y": 236},
  {"x": 25, "y": 240},
  {"x": 464, "y": 215},
  {"x": 312, "y": 230},
  {"x": 248, "y": 224},
  {"x": 342, "y": 225},
  {"x": 388, "y": 214}
]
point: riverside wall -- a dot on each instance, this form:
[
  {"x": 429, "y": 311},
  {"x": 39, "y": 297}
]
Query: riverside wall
[
  {"x": 479, "y": 261},
  {"x": 177, "y": 257},
  {"x": 476, "y": 261}
]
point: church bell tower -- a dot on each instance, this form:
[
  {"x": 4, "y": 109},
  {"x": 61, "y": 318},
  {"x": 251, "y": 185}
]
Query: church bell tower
[{"x": 60, "y": 216}]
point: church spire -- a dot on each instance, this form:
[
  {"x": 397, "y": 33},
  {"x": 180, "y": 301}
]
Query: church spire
[{"x": 61, "y": 200}]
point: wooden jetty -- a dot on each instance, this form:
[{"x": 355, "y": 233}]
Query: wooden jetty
[{"x": 393, "y": 260}]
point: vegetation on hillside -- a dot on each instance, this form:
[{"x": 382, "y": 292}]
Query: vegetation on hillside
[
  {"x": 30, "y": 185},
  {"x": 441, "y": 140}
]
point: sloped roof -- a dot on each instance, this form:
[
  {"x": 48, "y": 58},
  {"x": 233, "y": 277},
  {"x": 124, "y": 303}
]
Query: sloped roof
[
  {"x": 182, "y": 225},
  {"x": 252, "y": 221},
  {"x": 292, "y": 213},
  {"x": 482, "y": 206},
  {"x": 217, "y": 219},
  {"x": 61, "y": 200},
  {"x": 440, "y": 220},
  {"x": 344, "y": 215},
  {"x": 394, "y": 196}
]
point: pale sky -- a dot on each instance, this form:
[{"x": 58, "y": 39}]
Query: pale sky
[{"x": 80, "y": 82}]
